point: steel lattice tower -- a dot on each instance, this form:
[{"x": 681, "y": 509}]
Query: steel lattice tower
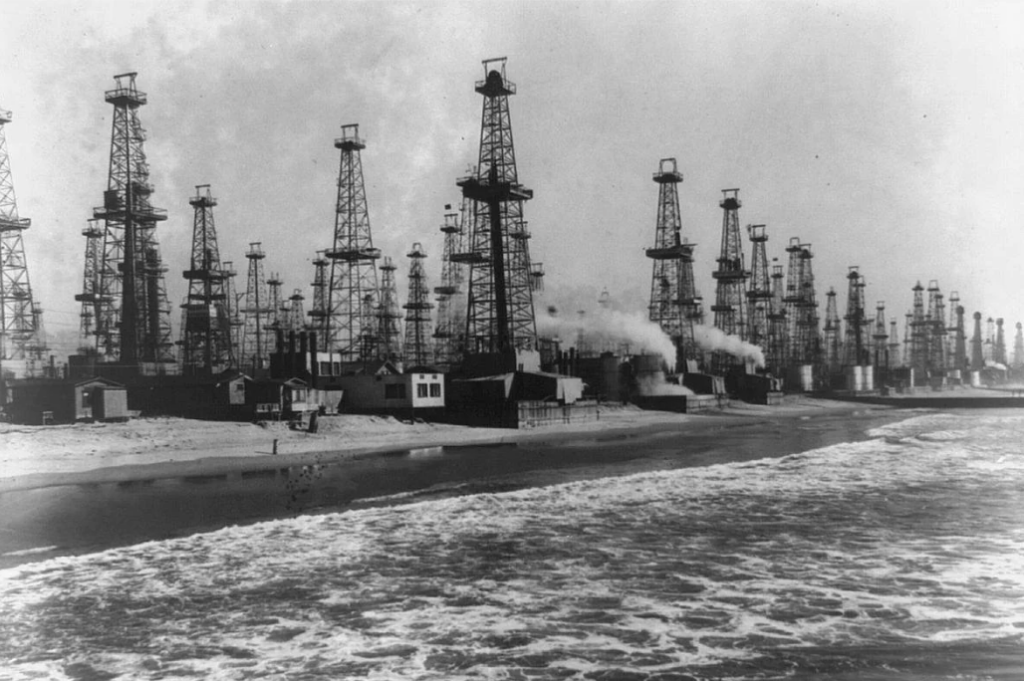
[
  {"x": 206, "y": 332},
  {"x": 347, "y": 328},
  {"x": 977, "y": 355},
  {"x": 257, "y": 335},
  {"x": 856, "y": 348},
  {"x": 776, "y": 355},
  {"x": 759, "y": 294},
  {"x": 1018, "y": 348},
  {"x": 731, "y": 277},
  {"x": 132, "y": 323},
  {"x": 296, "y": 319},
  {"x": 894, "y": 343},
  {"x": 908, "y": 340},
  {"x": 500, "y": 316},
  {"x": 449, "y": 333},
  {"x": 919, "y": 332},
  {"x": 669, "y": 253},
  {"x": 880, "y": 338},
  {"x": 233, "y": 302},
  {"x": 801, "y": 306},
  {"x": 90, "y": 297},
  {"x": 318, "y": 313},
  {"x": 388, "y": 336},
  {"x": 833, "y": 353},
  {"x": 20, "y": 330},
  {"x": 999, "y": 351},
  {"x": 274, "y": 284},
  {"x": 418, "y": 351}
]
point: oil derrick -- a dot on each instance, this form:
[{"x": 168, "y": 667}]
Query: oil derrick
[
  {"x": 801, "y": 306},
  {"x": 919, "y": 331},
  {"x": 894, "y": 344},
  {"x": 20, "y": 329},
  {"x": 990, "y": 339},
  {"x": 318, "y": 313},
  {"x": 449, "y": 332},
  {"x": 347, "y": 326},
  {"x": 999, "y": 349},
  {"x": 233, "y": 304},
  {"x": 1018, "y": 348},
  {"x": 386, "y": 336},
  {"x": 881, "y": 358},
  {"x": 776, "y": 355},
  {"x": 951, "y": 332},
  {"x": 206, "y": 331},
  {"x": 257, "y": 335},
  {"x": 277, "y": 306},
  {"x": 133, "y": 320},
  {"x": 500, "y": 317},
  {"x": 296, "y": 318},
  {"x": 959, "y": 354},
  {"x": 731, "y": 278},
  {"x": 669, "y": 253},
  {"x": 935, "y": 342},
  {"x": 908, "y": 340},
  {"x": 90, "y": 297},
  {"x": 977, "y": 356},
  {"x": 418, "y": 351},
  {"x": 856, "y": 348},
  {"x": 759, "y": 295},
  {"x": 833, "y": 355}
]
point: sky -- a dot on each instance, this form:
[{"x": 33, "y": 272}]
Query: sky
[{"x": 888, "y": 135}]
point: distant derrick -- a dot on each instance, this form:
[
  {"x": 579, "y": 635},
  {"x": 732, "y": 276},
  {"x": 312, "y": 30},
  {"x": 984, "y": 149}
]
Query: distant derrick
[
  {"x": 21, "y": 333},
  {"x": 1018, "y": 348},
  {"x": 977, "y": 356},
  {"x": 759, "y": 295},
  {"x": 233, "y": 303},
  {"x": 731, "y": 277},
  {"x": 206, "y": 346},
  {"x": 418, "y": 351},
  {"x": 277, "y": 303},
  {"x": 832, "y": 347},
  {"x": 928, "y": 329},
  {"x": 130, "y": 312},
  {"x": 999, "y": 351},
  {"x": 352, "y": 294},
  {"x": 880, "y": 339},
  {"x": 258, "y": 335},
  {"x": 959, "y": 354},
  {"x": 801, "y": 306},
  {"x": 318, "y": 313},
  {"x": 450, "y": 330},
  {"x": 894, "y": 344},
  {"x": 387, "y": 336},
  {"x": 669, "y": 254},
  {"x": 777, "y": 346},
  {"x": 856, "y": 348},
  {"x": 295, "y": 319},
  {"x": 500, "y": 315}
]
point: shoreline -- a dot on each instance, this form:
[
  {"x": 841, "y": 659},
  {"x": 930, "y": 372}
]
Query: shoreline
[{"x": 45, "y": 457}]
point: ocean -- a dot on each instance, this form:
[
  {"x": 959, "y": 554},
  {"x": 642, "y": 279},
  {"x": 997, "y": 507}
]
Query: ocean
[{"x": 900, "y": 556}]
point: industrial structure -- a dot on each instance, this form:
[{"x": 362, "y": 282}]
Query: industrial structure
[
  {"x": 257, "y": 314},
  {"x": 801, "y": 308},
  {"x": 206, "y": 346},
  {"x": 759, "y": 294},
  {"x": 856, "y": 345},
  {"x": 21, "y": 334},
  {"x": 126, "y": 303},
  {"x": 418, "y": 350},
  {"x": 671, "y": 308},
  {"x": 832, "y": 352},
  {"x": 385, "y": 336},
  {"x": 352, "y": 289},
  {"x": 500, "y": 315},
  {"x": 730, "y": 277},
  {"x": 450, "y": 329}
]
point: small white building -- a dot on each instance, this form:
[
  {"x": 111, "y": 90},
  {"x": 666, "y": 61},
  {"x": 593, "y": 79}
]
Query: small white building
[{"x": 388, "y": 390}]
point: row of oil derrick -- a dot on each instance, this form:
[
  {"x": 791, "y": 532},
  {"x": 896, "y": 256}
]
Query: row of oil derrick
[
  {"x": 22, "y": 338},
  {"x": 777, "y": 310}
]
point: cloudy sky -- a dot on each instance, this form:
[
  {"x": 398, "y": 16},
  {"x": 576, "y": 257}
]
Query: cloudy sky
[{"x": 888, "y": 135}]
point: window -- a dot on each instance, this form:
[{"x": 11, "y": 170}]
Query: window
[
  {"x": 86, "y": 398},
  {"x": 394, "y": 391},
  {"x": 435, "y": 389},
  {"x": 421, "y": 390}
]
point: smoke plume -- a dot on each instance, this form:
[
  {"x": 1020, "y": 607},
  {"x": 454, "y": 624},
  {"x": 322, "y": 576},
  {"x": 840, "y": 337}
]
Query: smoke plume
[
  {"x": 655, "y": 384},
  {"x": 712, "y": 339},
  {"x": 608, "y": 328}
]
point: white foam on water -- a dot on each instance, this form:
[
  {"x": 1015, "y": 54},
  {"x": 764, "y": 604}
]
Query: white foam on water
[{"x": 909, "y": 536}]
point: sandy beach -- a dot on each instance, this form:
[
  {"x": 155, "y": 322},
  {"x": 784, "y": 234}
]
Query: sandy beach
[{"x": 38, "y": 456}]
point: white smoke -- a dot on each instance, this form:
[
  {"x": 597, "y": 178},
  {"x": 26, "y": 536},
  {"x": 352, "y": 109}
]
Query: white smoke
[
  {"x": 609, "y": 328},
  {"x": 711, "y": 339},
  {"x": 655, "y": 384},
  {"x": 995, "y": 365}
]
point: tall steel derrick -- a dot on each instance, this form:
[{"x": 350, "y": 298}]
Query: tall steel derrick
[
  {"x": 449, "y": 332},
  {"x": 894, "y": 344},
  {"x": 386, "y": 332},
  {"x": 1018, "y": 347},
  {"x": 856, "y": 345},
  {"x": 778, "y": 337},
  {"x": 759, "y": 293},
  {"x": 233, "y": 303},
  {"x": 131, "y": 314},
  {"x": 295, "y": 319},
  {"x": 880, "y": 336},
  {"x": 318, "y": 313},
  {"x": 801, "y": 306},
  {"x": 500, "y": 315},
  {"x": 277, "y": 306},
  {"x": 832, "y": 346},
  {"x": 956, "y": 353},
  {"x": 669, "y": 253},
  {"x": 20, "y": 317},
  {"x": 731, "y": 277},
  {"x": 257, "y": 313},
  {"x": 206, "y": 343},
  {"x": 999, "y": 350},
  {"x": 418, "y": 350},
  {"x": 352, "y": 291},
  {"x": 977, "y": 354}
]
